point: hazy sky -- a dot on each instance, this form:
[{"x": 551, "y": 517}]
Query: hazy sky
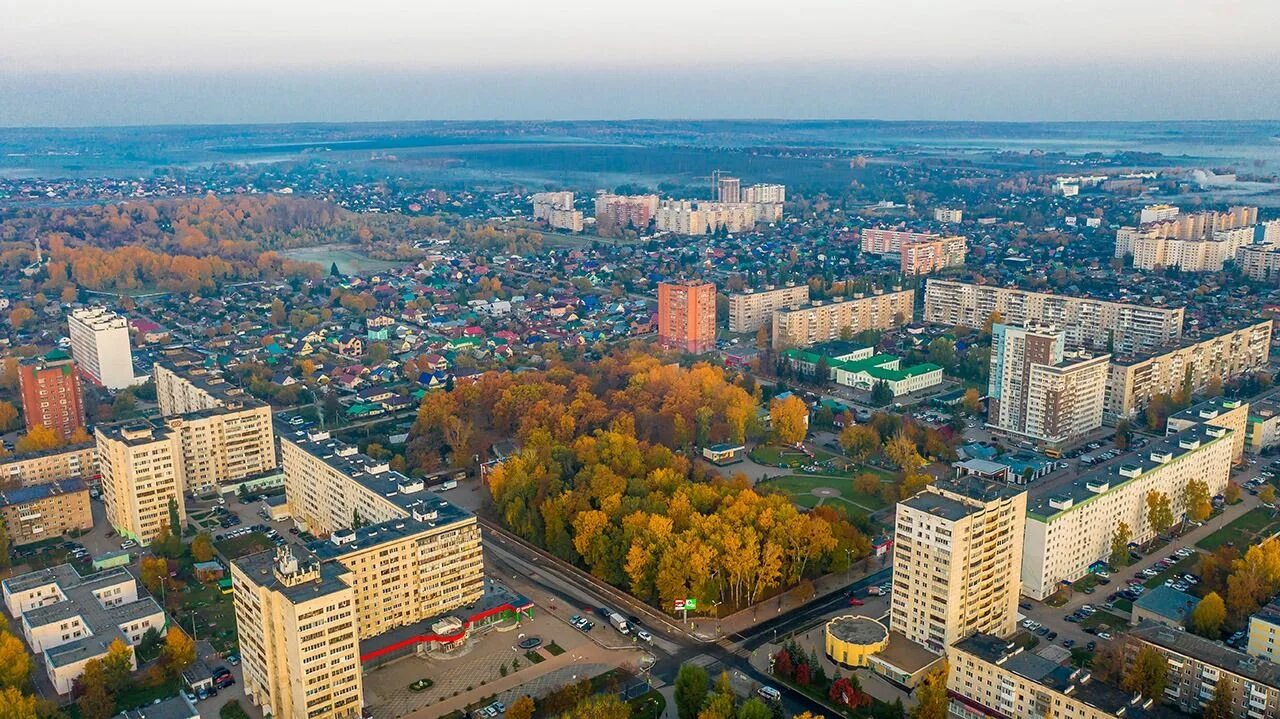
[{"x": 76, "y": 62}]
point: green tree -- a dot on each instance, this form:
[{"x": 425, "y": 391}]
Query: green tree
[
  {"x": 5, "y": 543},
  {"x": 1120, "y": 545},
  {"x": 1208, "y": 616},
  {"x": 1220, "y": 706},
  {"x": 753, "y": 708},
  {"x": 202, "y": 547},
  {"x": 117, "y": 666},
  {"x": 95, "y": 700},
  {"x": 942, "y": 352},
  {"x": 1148, "y": 674},
  {"x": 931, "y": 695},
  {"x": 859, "y": 441},
  {"x": 881, "y": 393},
  {"x": 1122, "y": 434},
  {"x": 692, "y": 684},
  {"x": 233, "y": 710},
  {"x": 1159, "y": 511}
]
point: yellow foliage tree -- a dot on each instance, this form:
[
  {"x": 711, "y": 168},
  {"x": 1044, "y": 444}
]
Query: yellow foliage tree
[
  {"x": 789, "y": 418},
  {"x": 39, "y": 439}
]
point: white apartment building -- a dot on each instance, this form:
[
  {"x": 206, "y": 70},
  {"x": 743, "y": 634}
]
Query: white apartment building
[
  {"x": 688, "y": 217},
  {"x": 752, "y": 309},
  {"x": 1096, "y": 324},
  {"x": 1157, "y": 213},
  {"x": 1199, "y": 242},
  {"x": 763, "y": 194},
  {"x": 69, "y": 620},
  {"x": 556, "y": 209},
  {"x": 1040, "y": 391},
  {"x": 948, "y": 215},
  {"x": 142, "y": 471},
  {"x": 1197, "y": 666},
  {"x": 1133, "y": 381},
  {"x": 956, "y": 559},
  {"x": 1260, "y": 263},
  {"x": 100, "y": 346},
  {"x": 825, "y": 321},
  {"x": 1072, "y": 528}
]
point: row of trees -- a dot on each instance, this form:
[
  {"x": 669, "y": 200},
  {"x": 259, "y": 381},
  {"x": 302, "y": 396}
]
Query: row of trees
[{"x": 697, "y": 698}]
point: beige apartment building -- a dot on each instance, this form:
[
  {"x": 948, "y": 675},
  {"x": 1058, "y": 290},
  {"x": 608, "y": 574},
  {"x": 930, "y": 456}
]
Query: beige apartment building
[
  {"x": 1168, "y": 223},
  {"x": 881, "y": 241},
  {"x": 1198, "y": 665},
  {"x": 69, "y": 620},
  {"x": 78, "y": 461},
  {"x": 142, "y": 470},
  {"x": 956, "y": 559},
  {"x": 299, "y": 636},
  {"x": 615, "y": 213},
  {"x": 824, "y": 321},
  {"x": 1232, "y": 414},
  {"x": 1199, "y": 242},
  {"x": 1041, "y": 391},
  {"x": 1260, "y": 263},
  {"x": 1264, "y": 634},
  {"x": 924, "y": 258},
  {"x": 556, "y": 209},
  {"x": 1071, "y": 528},
  {"x": 992, "y": 678},
  {"x": 689, "y": 217},
  {"x": 1095, "y": 324},
  {"x": 752, "y": 309},
  {"x": 40, "y": 511},
  {"x": 183, "y": 385},
  {"x": 226, "y": 445},
  {"x": 1133, "y": 381}
]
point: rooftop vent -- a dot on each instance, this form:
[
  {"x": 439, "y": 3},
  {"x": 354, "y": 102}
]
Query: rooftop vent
[
  {"x": 1216, "y": 431},
  {"x": 1189, "y": 443},
  {"x": 1161, "y": 456},
  {"x": 1061, "y": 502},
  {"x": 1098, "y": 486},
  {"x": 1130, "y": 470},
  {"x": 343, "y": 537}
]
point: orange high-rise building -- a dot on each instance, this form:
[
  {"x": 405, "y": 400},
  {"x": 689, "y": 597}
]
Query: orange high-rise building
[
  {"x": 52, "y": 395},
  {"x": 687, "y": 316}
]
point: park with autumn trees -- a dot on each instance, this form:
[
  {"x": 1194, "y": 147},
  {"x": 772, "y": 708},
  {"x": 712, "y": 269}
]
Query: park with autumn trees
[{"x": 603, "y": 479}]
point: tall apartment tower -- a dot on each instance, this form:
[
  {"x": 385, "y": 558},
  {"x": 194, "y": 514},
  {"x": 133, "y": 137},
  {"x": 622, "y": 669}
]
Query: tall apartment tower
[
  {"x": 299, "y": 643},
  {"x": 52, "y": 395},
  {"x": 142, "y": 470},
  {"x": 1038, "y": 390},
  {"x": 728, "y": 189},
  {"x": 687, "y": 316},
  {"x": 957, "y": 559},
  {"x": 100, "y": 346}
]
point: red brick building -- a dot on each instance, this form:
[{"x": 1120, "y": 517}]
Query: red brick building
[
  {"x": 52, "y": 395},
  {"x": 687, "y": 316}
]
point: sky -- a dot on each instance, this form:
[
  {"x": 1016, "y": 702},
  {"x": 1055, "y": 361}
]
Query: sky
[{"x": 71, "y": 62}]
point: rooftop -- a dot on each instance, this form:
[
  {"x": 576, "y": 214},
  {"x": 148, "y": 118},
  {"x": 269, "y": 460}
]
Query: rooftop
[
  {"x": 1209, "y": 652},
  {"x": 857, "y": 630},
  {"x": 35, "y": 492},
  {"x": 260, "y": 568},
  {"x": 1167, "y": 602}
]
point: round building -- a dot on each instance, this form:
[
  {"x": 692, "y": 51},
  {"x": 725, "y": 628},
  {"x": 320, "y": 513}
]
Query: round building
[{"x": 851, "y": 640}]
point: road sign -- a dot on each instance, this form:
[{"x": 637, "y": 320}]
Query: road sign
[
  {"x": 691, "y": 604},
  {"x": 680, "y": 605}
]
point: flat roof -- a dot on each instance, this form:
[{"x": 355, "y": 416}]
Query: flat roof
[
  {"x": 260, "y": 567},
  {"x": 1209, "y": 652},
  {"x": 940, "y": 506},
  {"x": 35, "y": 492},
  {"x": 1167, "y": 602},
  {"x": 857, "y": 630}
]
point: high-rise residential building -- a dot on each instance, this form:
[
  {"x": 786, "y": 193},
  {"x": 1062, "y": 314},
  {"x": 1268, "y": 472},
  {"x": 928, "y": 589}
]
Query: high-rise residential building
[
  {"x": 690, "y": 217},
  {"x": 556, "y": 209},
  {"x": 100, "y": 346},
  {"x": 752, "y": 309},
  {"x": 826, "y": 321},
  {"x": 1198, "y": 666},
  {"x": 880, "y": 241},
  {"x": 299, "y": 636},
  {"x": 992, "y": 677},
  {"x": 1157, "y": 213},
  {"x": 1199, "y": 242},
  {"x": 1102, "y": 325},
  {"x": 763, "y": 194},
  {"x": 924, "y": 258},
  {"x": 615, "y": 213},
  {"x": 395, "y": 555},
  {"x": 142, "y": 471},
  {"x": 728, "y": 189},
  {"x": 956, "y": 560},
  {"x": 1260, "y": 263},
  {"x": 69, "y": 620},
  {"x": 1072, "y": 528},
  {"x": 1039, "y": 390},
  {"x": 184, "y": 385},
  {"x": 37, "y": 512},
  {"x": 51, "y": 394},
  {"x": 1233, "y": 414},
  {"x": 1264, "y": 634},
  {"x": 949, "y": 215},
  {"x": 73, "y": 461},
  {"x": 1189, "y": 364},
  {"x": 687, "y": 315}
]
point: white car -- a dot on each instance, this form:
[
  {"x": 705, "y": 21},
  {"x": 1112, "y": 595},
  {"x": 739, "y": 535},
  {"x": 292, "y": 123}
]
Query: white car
[
  {"x": 128, "y": 544},
  {"x": 644, "y": 636}
]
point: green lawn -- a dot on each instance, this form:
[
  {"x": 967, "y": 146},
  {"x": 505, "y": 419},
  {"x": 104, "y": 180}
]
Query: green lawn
[
  {"x": 242, "y": 545},
  {"x": 650, "y": 705},
  {"x": 778, "y": 456},
  {"x": 1247, "y": 529},
  {"x": 213, "y": 613},
  {"x": 801, "y": 487}
]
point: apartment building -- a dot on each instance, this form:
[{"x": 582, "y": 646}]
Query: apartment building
[
  {"x": 73, "y": 461},
  {"x": 1199, "y": 242},
  {"x": 881, "y": 241},
  {"x": 1260, "y": 263},
  {"x": 1232, "y": 414},
  {"x": 615, "y": 213},
  {"x": 949, "y": 215},
  {"x": 556, "y": 209},
  {"x": 1134, "y": 380},
  {"x": 728, "y": 189},
  {"x": 69, "y": 620},
  {"x": 687, "y": 316},
  {"x": 41, "y": 511},
  {"x": 1263, "y": 428},
  {"x": 750, "y": 310},
  {"x": 956, "y": 558},
  {"x": 52, "y": 395},
  {"x": 1198, "y": 665},
  {"x": 299, "y": 636},
  {"x": 1041, "y": 391},
  {"x": 924, "y": 258},
  {"x": 1157, "y": 213},
  {"x": 689, "y": 217},
  {"x": 1114, "y": 327},
  {"x": 142, "y": 471},
  {"x": 992, "y": 678},
  {"x": 331, "y": 488},
  {"x": 763, "y": 194},
  {"x": 1264, "y": 634},
  {"x": 1071, "y": 528},
  {"x": 100, "y": 346},
  {"x": 825, "y": 321},
  {"x": 184, "y": 385}
]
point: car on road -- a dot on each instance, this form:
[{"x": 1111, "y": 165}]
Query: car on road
[
  {"x": 644, "y": 636},
  {"x": 1104, "y": 635},
  {"x": 855, "y": 602},
  {"x": 128, "y": 544}
]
